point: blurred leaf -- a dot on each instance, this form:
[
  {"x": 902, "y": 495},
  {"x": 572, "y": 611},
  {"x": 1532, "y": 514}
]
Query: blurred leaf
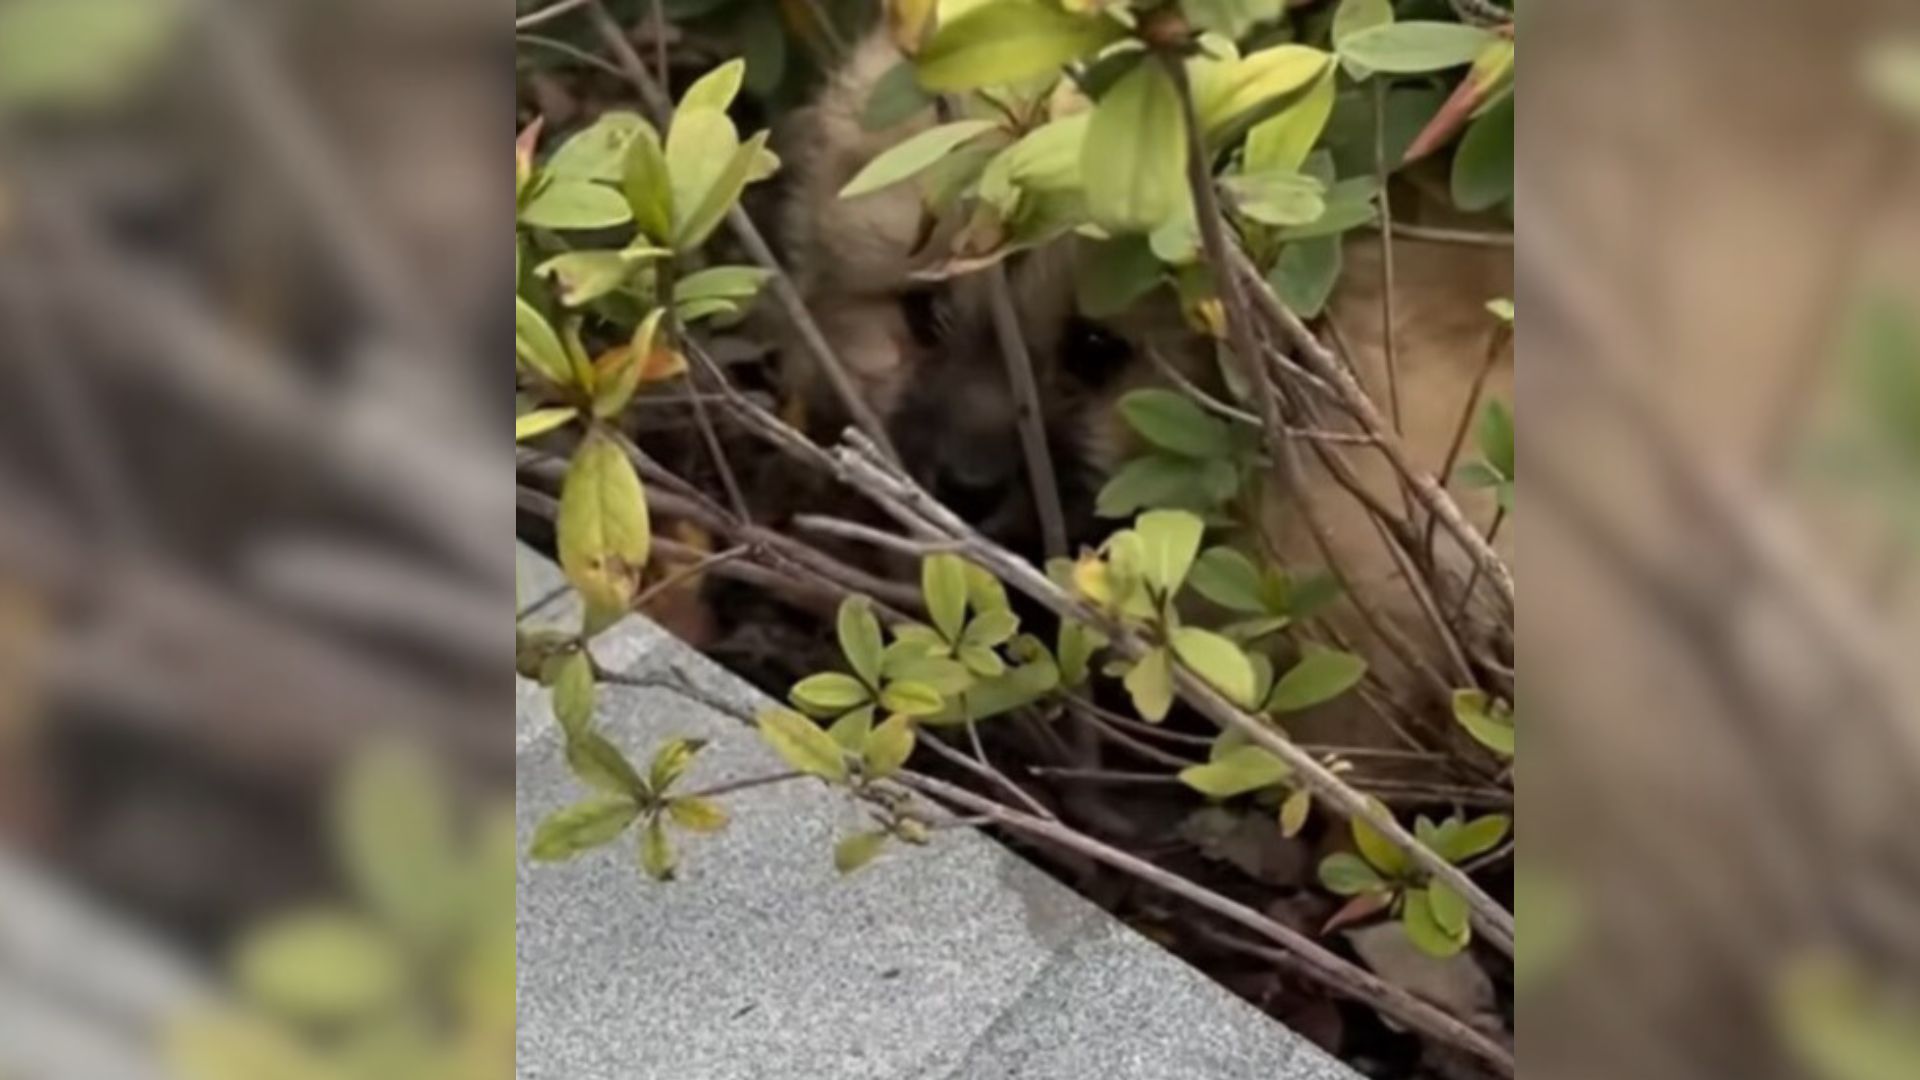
[
  {"x": 911, "y": 699},
  {"x": 236, "y": 1045},
  {"x": 1134, "y": 157},
  {"x": 1078, "y": 643},
  {"x": 1170, "y": 540},
  {"x": 802, "y": 745},
  {"x": 860, "y": 639},
  {"x": 697, "y": 815},
  {"x": 656, "y": 851},
  {"x": 1414, "y": 48},
  {"x": 1174, "y": 422},
  {"x": 943, "y": 581},
  {"x": 600, "y": 764},
  {"x": 1426, "y": 932},
  {"x": 1844, "y": 1026},
  {"x": 1483, "y": 165},
  {"x": 604, "y": 535},
  {"x": 320, "y": 966},
  {"x": 1495, "y": 438},
  {"x": 852, "y": 730},
  {"x": 1231, "y": 18},
  {"x": 829, "y": 693},
  {"x": 858, "y": 850},
  {"x": 1294, "y": 811},
  {"x": 1239, "y": 771},
  {"x": 1891, "y": 71},
  {"x": 1345, "y": 874},
  {"x": 585, "y": 276},
  {"x": 540, "y": 421},
  {"x": 1005, "y": 41},
  {"x": 912, "y": 156},
  {"x": 1306, "y": 272},
  {"x": 670, "y": 762},
  {"x": 1321, "y": 675},
  {"x": 1151, "y": 685},
  {"x": 81, "y": 53},
  {"x": 1277, "y": 199},
  {"x": 1155, "y": 480},
  {"x": 1228, "y": 578},
  {"x": 1111, "y": 275},
  {"x": 720, "y": 283},
  {"x": 1217, "y": 660},
  {"x": 1019, "y": 687},
  {"x": 896, "y": 98},
  {"x": 890, "y": 747},
  {"x": 394, "y": 830},
  {"x": 1354, "y": 16},
  {"x": 717, "y": 88},
  {"x": 575, "y": 204},
  {"x": 599, "y": 151}
]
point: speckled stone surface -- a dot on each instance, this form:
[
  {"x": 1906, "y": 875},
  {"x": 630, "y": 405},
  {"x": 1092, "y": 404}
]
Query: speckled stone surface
[{"x": 954, "y": 962}]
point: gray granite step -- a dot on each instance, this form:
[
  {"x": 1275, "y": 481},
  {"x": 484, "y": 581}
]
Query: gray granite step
[{"x": 958, "y": 961}]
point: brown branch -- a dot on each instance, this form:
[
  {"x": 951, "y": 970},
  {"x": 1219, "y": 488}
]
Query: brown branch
[{"x": 1032, "y": 423}]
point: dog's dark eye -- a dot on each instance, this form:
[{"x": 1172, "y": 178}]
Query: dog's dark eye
[
  {"x": 1091, "y": 353},
  {"x": 925, "y": 319}
]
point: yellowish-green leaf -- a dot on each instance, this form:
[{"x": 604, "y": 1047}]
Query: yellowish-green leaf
[
  {"x": 991, "y": 629},
  {"x": 1217, "y": 660},
  {"x": 1151, "y": 685},
  {"x": 717, "y": 88},
  {"x": 860, "y": 640},
  {"x": 596, "y": 153},
  {"x": 567, "y": 833},
  {"x": 604, "y": 535},
  {"x": 1294, "y": 812},
  {"x": 1425, "y": 931},
  {"x": 671, "y": 762},
  {"x": 1354, "y": 16},
  {"x": 1228, "y": 578},
  {"x": 1449, "y": 910},
  {"x": 706, "y": 213},
  {"x": 540, "y": 421},
  {"x": 1133, "y": 162},
  {"x": 857, "y": 851},
  {"x": 394, "y": 830},
  {"x": 323, "y": 966},
  {"x": 1415, "y": 48},
  {"x": 982, "y": 661},
  {"x": 600, "y": 764},
  {"x": 1246, "y": 88},
  {"x": 1078, "y": 643},
  {"x": 916, "y": 154},
  {"x": 586, "y": 276},
  {"x": 829, "y": 693},
  {"x": 1006, "y": 41},
  {"x": 911, "y": 699},
  {"x": 697, "y": 815},
  {"x": 890, "y": 746},
  {"x": 1170, "y": 541},
  {"x": 647, "y": 184},
  {"x": 852, "y": 730},
  {"x": 943, "y": 580},
  {"x": 1239, "y": 771},
  {"x": 803, "y": 746},
  {"x": 536, "y": 345},
  {"x": 656, "y": 851},
  {"x": 575, "y": 204},
  {"x": 1346, "y": 874},
  {"x": 1492, "y": 728},
  {"x": 573, "y": 693},
  {"x": 1382, "y": 853}
]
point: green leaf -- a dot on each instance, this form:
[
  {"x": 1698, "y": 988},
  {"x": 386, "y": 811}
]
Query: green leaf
[
  {"x": 890, "y": 747},
  {"x": 693, "y": 229},
  {"x": 1305, "y": 274},
  {"x": 803, "y": 746},
  {"x": 647, "y": 184},
  {"x": 717, "y": 88},
  {"x": 1172, "y": 421},
  {"x": 911, "y": 699},
  {"x": 860, "y": 639},
  {"x": 982, "y": 661},
  {"x": 697, "y": 814},
  {"x": 596, "y": 153},
  {"x": 829, "y": 693},
  {"x": 945, "y": 675},
  {"x": 575, "y": 204},
  {"x": 1354, "y": 16},
  {"x": 540, "y": 421},
  {"x": 914, "y": 155},
  {"x": 1111, "y": 275},
  {"x": 1342, "y": 215},
  {"x": 1005, "y": 41},
  {"x": 321, "y": 966},
  {"x": 1046, "y": 159},
  {"x": 1155, "y": 480},
  {"x": 1231, "y": 18},
  {"x": 573, "y": 693},
  {"x": 1151, "y": 685},
  {"x": 600, "y": 764},
  {"x": 1018, "y": 688},
  {"x": 1228, "y": 578},
  {"x": 1277, "y": 199},
  {"x": 1501, "y": 309},
  {"x": 671, "y": 762},
  {"x": 604, "y": 535},
  {"x": 656, "y": 851},
  {"x": 1282, "y": 142},
  {"x": 1134, "y": 159},
  {"x": 852, "y": 730},
  {"x": 582, "y": 827},
  {"x": 535, "y": 343},
  {"x": 1475, "y": 712},
  {"x": 1414, "y": 48},
  {"x": 585, "y": 276},
  {"x": 394, "y": 830},
  {"x": 1385, "y": 856},
  {"x": 1449, "y": 910},
  {"x": 987, "y": 595},
  {"x": 1321, "y": 675},
  {"x": 1078, "y": 643},
  {"x": 858, "y": 850},
  {"x": 943, "y": 581},
  {"x": 1495, "y": 437},
  {"x": 1237, "y": 91},
  {"x": 1483, "y": 165},
  {"x": 1425, "y": 931},
  {"x": 1345, "y": 874},
  {"x": 991, "y": 629},
  {"x": 1239, "y": 771},
  {"x": 896, "y": 98},
  {"x": 1475, "y": 838},
  {"x": 1294, "y": 811},
  {"x": 1170, "y": 540},
  {"x": 1217, "y": 660}
]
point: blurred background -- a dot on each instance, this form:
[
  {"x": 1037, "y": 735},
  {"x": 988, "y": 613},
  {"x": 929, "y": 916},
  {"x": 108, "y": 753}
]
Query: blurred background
[
  {"x": 254, "y": 663},
  {"x": 255, "y": 674}
]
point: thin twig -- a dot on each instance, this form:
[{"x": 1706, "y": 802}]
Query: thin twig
[
  {"x": 841, "y": 529},
  {"x": 548, "y": 13},
  {"x": 1382, "y": 175},
  {"x": 1462, "y": 237},
  {"x": 1308, "y": 957},
  {"x": 1031, "y": 422},
  {"x": 978, "y": 766},
  {"x": 685, "y": 573}
]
